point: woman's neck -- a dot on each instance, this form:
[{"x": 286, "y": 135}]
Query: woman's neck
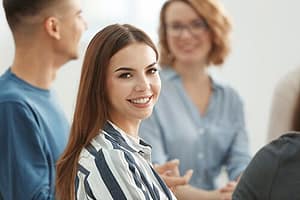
[
  {"x": 191, "y": 72},
  {"x": 129, "y": 127}
]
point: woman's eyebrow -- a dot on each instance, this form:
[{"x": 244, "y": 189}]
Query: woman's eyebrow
[
  {"x": 131, "y": 69},
  {"x": 124, "y": 69},
  {"x": 154, "y": 63}
]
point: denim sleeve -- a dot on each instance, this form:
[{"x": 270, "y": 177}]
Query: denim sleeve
[
  {"x": 239, "y": 156},
  {"x": 150, "y": 132},
  {"x": 24, "y": 169}
]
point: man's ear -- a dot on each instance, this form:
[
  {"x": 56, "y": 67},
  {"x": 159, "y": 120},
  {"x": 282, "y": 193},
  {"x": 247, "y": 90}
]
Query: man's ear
[{"x": 51, "y": 25}]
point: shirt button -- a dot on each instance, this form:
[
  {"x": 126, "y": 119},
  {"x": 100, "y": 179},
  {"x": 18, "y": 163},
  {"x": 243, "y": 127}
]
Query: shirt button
[
  {"x": 200, "y": 156},
  {"x": 201, "y": 131}
]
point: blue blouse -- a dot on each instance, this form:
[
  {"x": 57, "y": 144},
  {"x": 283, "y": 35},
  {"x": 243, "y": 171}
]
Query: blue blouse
[{"x": 204, "y": 143}]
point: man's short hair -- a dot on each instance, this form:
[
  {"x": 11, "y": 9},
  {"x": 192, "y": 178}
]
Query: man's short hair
[{"x": 16, "y": 10}]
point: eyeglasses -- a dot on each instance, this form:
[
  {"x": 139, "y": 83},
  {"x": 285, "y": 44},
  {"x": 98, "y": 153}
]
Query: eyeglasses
[{"x": 196, "y": 28}]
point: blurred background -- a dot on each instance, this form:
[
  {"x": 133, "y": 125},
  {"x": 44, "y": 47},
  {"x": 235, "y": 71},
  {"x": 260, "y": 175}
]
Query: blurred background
[{"x": 265, "y": 46}]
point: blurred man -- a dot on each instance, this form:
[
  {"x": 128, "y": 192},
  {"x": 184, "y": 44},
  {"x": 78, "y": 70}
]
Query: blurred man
[{"x": 33, "y": 127}]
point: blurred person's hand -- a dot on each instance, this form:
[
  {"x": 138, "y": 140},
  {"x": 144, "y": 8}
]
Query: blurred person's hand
[
  {"x": 169, "y": 172},
  {"x": 225, "y": 193}
]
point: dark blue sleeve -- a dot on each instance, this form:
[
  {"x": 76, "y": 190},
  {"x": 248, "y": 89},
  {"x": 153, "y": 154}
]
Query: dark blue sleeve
[{"x": 24, "y": 169}]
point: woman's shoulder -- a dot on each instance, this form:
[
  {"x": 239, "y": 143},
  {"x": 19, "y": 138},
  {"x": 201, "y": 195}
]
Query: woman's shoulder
[
  {"x": 223, "y": 85},
  {"x": 226, "y": 90},
  {"x": 168, "y": 73},
  {"x": 101, "y": 144}
]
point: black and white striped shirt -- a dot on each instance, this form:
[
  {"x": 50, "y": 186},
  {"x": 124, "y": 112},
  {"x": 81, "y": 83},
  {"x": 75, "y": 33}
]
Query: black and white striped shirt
[{"x": 115, "y": 166}]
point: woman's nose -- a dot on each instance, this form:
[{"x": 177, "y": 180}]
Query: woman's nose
[{"x": 142, "y": 84}]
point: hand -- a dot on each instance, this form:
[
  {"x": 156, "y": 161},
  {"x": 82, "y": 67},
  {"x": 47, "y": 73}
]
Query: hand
[
  {"x": 169, "y": 172},
  {"x": 226, "y": 192}
]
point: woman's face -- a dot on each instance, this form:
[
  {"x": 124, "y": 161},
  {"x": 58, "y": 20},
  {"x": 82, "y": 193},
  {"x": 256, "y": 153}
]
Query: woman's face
[
  {"x": 188, "y": 36},
  {"x": 133, "y": 83}
]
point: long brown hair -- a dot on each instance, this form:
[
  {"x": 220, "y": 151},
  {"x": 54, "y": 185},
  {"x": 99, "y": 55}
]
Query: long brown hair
[
  {"x": 219, "y": 24},
  {"x": 296, "y": 119},
  {"x": 91, "y": 111}
]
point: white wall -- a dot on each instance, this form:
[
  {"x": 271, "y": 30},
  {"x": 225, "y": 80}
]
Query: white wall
[{"x": 265, "y": 46}]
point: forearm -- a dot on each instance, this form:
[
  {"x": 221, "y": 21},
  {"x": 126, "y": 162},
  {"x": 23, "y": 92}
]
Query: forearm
[{"x": 191, "y": 193}]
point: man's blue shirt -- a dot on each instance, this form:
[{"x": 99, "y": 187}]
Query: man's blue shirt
[{"x": 33, "y": 134}]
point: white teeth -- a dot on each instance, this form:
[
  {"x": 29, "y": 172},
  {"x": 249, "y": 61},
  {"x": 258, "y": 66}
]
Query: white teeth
[{"x": 140, "y": 101}]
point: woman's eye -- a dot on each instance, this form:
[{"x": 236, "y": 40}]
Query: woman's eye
[
  {"x": 153, "y": 70},
  {"x": 177, "y": 26},
  {"x": 199, "y": 24},
  {"x": 125, "y": 75}
]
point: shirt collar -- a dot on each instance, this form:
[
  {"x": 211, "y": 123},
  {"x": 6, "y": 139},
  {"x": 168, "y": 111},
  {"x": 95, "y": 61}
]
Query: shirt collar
[
  {"x": 125, "y": 141},
  {"x": 169, "y": 73}
]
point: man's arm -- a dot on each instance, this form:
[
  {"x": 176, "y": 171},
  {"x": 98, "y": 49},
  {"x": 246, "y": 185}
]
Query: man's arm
[
  {"x": 24, "y": 168},
  {"x": 189, "y": 192}
]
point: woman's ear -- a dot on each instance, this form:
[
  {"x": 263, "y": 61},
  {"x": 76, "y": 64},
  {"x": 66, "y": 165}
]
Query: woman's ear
[{"x": 51, "y": 25}]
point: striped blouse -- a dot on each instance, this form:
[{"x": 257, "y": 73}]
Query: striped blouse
[{"x": 115, "y": 166}]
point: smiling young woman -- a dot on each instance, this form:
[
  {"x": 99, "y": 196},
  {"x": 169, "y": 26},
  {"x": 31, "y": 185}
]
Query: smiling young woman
[{"x": 105, "y": 158}]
